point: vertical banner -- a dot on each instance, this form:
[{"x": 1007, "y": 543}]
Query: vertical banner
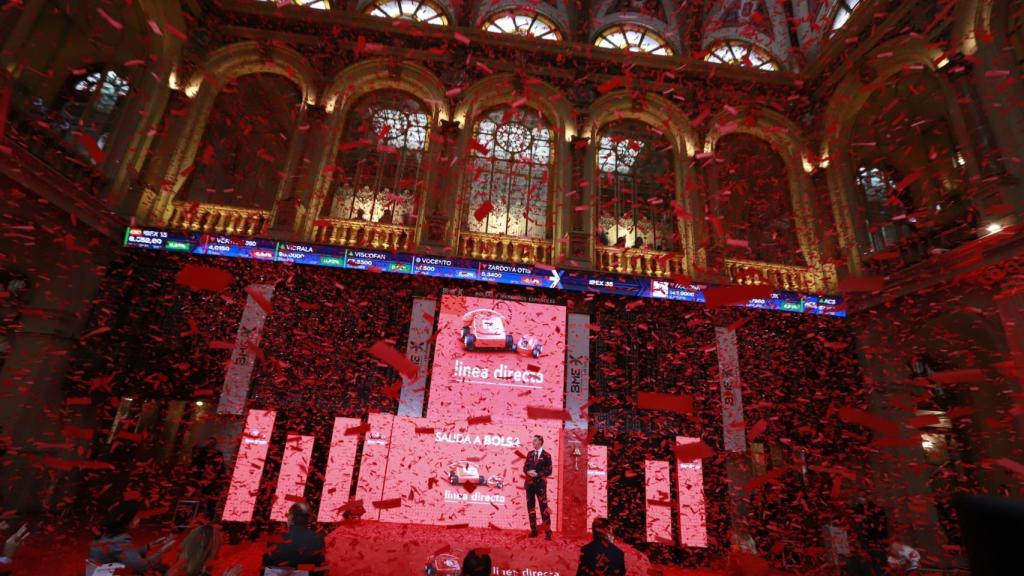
[
  {"x": 735, "y": 437},
  {"x": 291, "y": 481},
  {"x": 417, "y": 350},
  {"x": 659, "y": 501},
  {"x": 338, "y": 476},
  {"x": 577, "y": 370},
  {"x": 692, "y": 512},
  {"x": 575, "y": 498},
  {"x": 252, "y": 455},
  {"x": 597, "y": 483},
  {"x": 239, "y": 372}
]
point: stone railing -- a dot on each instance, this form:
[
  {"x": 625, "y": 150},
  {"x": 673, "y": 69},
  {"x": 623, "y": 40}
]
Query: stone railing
[
  {"x": 504, "y": 248},
  {"x": 362, "y": 234},
  {"x": 778, "y": 276},
  {"x": 198, "y": 216},
  {"x": 641, "y": 262}
]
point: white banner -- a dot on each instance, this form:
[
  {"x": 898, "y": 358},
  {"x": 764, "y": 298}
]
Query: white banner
[
  {"x": 577, "y": 370},
  {"x": 239, "y": 372},
  {"x": 734, "y": 434},
  {"x": 417, "y": 350}
]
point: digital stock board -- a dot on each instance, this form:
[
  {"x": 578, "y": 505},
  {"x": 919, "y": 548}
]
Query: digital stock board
[{"x": 537, "y": 275}]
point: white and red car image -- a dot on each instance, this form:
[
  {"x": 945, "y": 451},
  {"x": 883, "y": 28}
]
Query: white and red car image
[
  {"x": 463, "y": 471},
  {"x": 484, "y": 329}
]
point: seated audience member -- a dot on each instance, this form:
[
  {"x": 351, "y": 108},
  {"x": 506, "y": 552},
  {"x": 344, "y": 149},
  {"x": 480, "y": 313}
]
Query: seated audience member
[
  {"x": 115, "y": 545},
  {"x": 301, "y": 547},
  {"x": 198, "y": 550},
  {"x": 601, "y": 557},
  {"x": 11, "y": 548},
  {"x": 476, "y": 563}
]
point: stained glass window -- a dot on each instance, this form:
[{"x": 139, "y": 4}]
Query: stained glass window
[
  {"x": 110, "y": 87},
  {"x": 380, "y": 162},
  {"x": 844, "y": 10},
  {"x": 635, "y": 188},
  {"x": 416, "y": 10},
  {"x": 739, "y": 53},
  {"x": 633, "y": 38},
  {"x": 510, "y": 161},
  {"x": 533, "y": 25}
]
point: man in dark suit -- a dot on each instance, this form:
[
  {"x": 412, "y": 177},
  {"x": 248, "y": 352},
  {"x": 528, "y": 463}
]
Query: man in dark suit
[
  {"x": 601, "y": 557},
  {"x": 301, "y": 546},
  {"x": 537, "y": 469}
]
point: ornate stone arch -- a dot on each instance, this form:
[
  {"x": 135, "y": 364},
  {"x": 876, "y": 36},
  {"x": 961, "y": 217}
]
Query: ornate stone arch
[
  {"x": 783, "y": 135},
  {"x": 840, "y": 116},
  {"x": 222, "y": 67},
  {"x": 515, "y": 91},
  {"x": 661, "y": 114},
  {"x": 348, "y": 87}
]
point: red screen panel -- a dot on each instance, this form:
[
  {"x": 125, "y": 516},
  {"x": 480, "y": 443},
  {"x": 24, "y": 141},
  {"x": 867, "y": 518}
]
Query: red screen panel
[
  {"x": 597, "y": 483},
  {"x": 374, "y": 464},
  {"x": 451, "y": 473},
  {"x": 291, "y": 481},
  {"x": 497, "y": 357},
  {"x": 252, "y": 455},
  {"x": 338, "y": 476},
  {"x": 692, "y": 522},
  {"x": 659, "y": 501}
]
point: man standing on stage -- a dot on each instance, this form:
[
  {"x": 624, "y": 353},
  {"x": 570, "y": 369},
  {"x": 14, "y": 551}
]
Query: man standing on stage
[{"x": 538, "y": 468}]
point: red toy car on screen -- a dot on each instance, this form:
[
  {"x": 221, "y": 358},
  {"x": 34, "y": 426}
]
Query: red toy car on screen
[
  {"x": 463, "y": 471},
  {"x": 529, "y": 346},
  {"x": 484, "y": 329}
]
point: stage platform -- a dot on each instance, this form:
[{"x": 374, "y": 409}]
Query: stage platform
[{"x": 372, "y": 548}]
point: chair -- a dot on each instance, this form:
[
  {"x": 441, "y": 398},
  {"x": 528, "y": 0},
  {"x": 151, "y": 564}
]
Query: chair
[
  {"x": 283, "y": 572},
  {"x": 94, "y": 569}
]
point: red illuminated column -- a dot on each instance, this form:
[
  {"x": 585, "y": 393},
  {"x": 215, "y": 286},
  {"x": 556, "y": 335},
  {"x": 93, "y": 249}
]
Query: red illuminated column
[
  {"x": 659, "y": 501},
  {"x": 291, "y": 482},
  {"x": 692, "y": 514},
  {"x": 374, "y": 465},
  {"x": 338, "y": 476},
  {"x": 597, "y": 483},
  {"x": 252, "y": 455}
]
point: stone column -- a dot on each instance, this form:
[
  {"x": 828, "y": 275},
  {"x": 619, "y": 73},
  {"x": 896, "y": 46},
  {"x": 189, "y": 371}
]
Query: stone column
[
  {"x": 440, "y": 218},
  {"x": 32, "y": 380},
  {"x": 310, "y": 171},
  {"x": 291, "y": 206},
  {"x": 581, "y": 211},
  {"x": 24, "y": 21}
]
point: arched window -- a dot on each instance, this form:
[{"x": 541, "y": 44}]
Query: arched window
[
  {"x": 416, "y": 10},
  {"x": 884, "y": 212},
  {"x": 317, "y": 4},
  {"x": 844, "y": 9},
  {"x": 92, "y": 105},
  {"x": 521, "y": 23},
  {"x": 633, "y": 38},
  {"x": 739, "y": 53},
  {"x": 508, "y": 177},
  {"x": 380, "y": 162},
  {"x": 635, "y": 188},
  {"x": 755, "y": 201},
  {"x": 246, "y": 143}
]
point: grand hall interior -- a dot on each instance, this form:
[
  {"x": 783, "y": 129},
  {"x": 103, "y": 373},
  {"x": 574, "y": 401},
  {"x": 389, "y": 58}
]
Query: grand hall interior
[{"x": 511, "y": 287}]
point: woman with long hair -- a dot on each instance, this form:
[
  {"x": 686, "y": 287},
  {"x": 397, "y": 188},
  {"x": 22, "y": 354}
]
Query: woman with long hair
[{"x": 198, "y": 550}]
